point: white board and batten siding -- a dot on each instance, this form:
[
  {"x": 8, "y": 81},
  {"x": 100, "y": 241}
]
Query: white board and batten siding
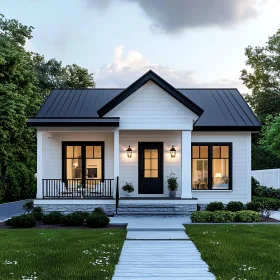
[
  {"x": 150, "y": 107},
  {"x": 268, "y": 177},
  {"x": 241, "y": 167}
]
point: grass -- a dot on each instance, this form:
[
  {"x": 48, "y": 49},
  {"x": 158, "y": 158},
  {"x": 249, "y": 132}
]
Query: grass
[
  {"x": 239, "y": 251},
  {"x": 59, "y": 253}
]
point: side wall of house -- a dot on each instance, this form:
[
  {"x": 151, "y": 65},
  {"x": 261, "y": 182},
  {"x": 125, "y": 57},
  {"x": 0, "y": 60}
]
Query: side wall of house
[
  {"x": 241, "y": 167},
  {"x": 52, "y": 151}
]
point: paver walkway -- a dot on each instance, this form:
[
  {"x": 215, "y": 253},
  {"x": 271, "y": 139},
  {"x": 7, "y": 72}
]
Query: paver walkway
[{"x": 159, "y": 248}]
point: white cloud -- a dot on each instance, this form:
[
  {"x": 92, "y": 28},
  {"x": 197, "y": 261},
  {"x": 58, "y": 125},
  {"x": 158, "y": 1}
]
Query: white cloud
[
  {"x": 29, "y": 46},
  {"x": 124, "y": 70}
]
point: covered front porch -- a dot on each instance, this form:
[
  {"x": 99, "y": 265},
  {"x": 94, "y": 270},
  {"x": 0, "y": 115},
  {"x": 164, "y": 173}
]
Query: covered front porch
[{"x": 84, "y": 164}]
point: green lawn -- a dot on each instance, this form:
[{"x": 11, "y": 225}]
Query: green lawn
[
  {"x": 236, "y": 252},
  {"x": 60, "y": 253}
]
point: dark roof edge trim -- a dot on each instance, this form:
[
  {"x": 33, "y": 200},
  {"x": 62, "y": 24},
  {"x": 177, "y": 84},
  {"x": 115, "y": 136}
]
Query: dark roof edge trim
[
  {"x": 150, "y": 75},
  {"x": 227, "y": 128},
  {"x": 72, "y": 122}
]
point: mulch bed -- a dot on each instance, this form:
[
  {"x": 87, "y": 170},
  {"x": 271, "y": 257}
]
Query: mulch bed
[{"x": 43, "y": 226}]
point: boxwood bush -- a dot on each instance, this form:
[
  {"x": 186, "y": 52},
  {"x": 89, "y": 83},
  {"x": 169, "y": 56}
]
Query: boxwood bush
[
  {"x": 73, "y": 219},
  {"x": 22, "y": 221},
  {"x": 235, "y": 206},
  {"x": 53, "y": 218},
  {"x": 97, "y": 220},
  {"x": 247, "y": 216},
  {"x": 37, "y": 213},
  {"x": 99, "y": 210},
  {"x": 222, "y": 216},
  {"x": 201, "y": 216},
  {"x": 214, "y": 206},
  {"x": 254, "y": 206}
]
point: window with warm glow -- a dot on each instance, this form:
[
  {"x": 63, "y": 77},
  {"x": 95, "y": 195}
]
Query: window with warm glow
[
  {"x": 83, "y": 160},
  {"x": 211, "y": 166}
]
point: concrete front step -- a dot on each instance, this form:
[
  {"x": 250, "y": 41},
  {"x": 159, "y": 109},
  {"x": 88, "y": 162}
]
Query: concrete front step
[{"x": 157, "y": 235}]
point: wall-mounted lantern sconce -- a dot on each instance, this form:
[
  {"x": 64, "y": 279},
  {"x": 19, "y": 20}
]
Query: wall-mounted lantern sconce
[
  {"x": 129, "y": 152},
  {"x": 173, "y": 152}
]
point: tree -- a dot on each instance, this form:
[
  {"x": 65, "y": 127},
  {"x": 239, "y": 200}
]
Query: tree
[
  {"x": 18, "y": 96},
  {"x": 270, "y": 135},
  {"x": 51, "y": 74},
  {"x": 25, "y": 81},
  {"x": 264, "y": 79}
]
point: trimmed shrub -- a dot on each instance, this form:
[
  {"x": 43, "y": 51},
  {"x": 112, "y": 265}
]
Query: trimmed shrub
[
  {"x": 73, "y": 219},
  {"x": 262, "y": 191},
  {"x": 97, "y": 220},
  {"x": 83, "y": 214},
  {"x": 268, "y": 205},
  {"x": 28, "y": 206},
  {"x": 222, "y": 216},
  {"x": 235, "y": 206},
  {"x": 247, "y": 216},
  {"x": 201, "y": 216},
  {"x": 254, "y": 206},
  {"x": 22, "y": 221},
  {"x": 99, "y": 210},
  {"x": 215, "y": 206},
  {"x": 53, "y": 218},
  {"x": 37, "y": 213}
]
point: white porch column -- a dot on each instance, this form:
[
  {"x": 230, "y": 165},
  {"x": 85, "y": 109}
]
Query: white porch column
[
  {"x": 39, "y": 164},
  {"x": 186, "y": 164},
  {"x": 116, "y": 159}
]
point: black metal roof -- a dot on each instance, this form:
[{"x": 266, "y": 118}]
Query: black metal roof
[{"x": 223, "y": 109}]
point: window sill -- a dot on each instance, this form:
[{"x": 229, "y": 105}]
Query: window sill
[{"x": 213, "y": 190}]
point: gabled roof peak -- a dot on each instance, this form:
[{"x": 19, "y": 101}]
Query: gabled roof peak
[{"x": 150, "y": 75}]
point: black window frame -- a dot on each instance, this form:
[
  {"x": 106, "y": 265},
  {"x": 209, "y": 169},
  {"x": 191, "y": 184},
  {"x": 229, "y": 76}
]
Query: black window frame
[
  {"x": 83, "y": 145},
  {"x": 210, "y": 160}
]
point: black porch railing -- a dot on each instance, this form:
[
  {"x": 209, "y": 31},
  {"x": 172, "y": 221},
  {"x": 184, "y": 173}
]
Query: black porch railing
[{"x": 76, "y": 188}]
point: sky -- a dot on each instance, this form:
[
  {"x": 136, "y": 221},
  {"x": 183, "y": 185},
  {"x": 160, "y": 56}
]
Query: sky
[{"x": 190, "y": 43}]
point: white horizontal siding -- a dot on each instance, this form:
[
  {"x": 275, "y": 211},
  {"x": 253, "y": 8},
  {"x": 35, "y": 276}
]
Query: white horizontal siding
[
  {"x": 129, "y": 166},
  {"x": 241, "y": 166},
  {"x": 52, "y": 151},
  {"x": 150, "y": 107}
]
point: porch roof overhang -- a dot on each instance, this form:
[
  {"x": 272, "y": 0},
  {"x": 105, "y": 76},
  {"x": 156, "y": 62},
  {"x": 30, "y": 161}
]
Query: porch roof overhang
[{"x": 36, "y": 122}]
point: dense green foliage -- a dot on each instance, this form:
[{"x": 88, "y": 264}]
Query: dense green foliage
[
  {"x": 262, "y": 191},
  {"x": 264, "y": 79},
  {"x": 214, "y": 206},
  {"x": 235, "y": 206},
  {"x": 60, "y": 253},
  {"x": 97, "y": 220},
  {"x": 238, "y": 251},
  {"x": 262, "y": 158},
  {"x": 53, "y": 218},
  {"x": 222, "y": 216},
  {"x": 37, "y": 213},
  {"x": 73, "y": 219},
  {"x": 22, "y": 221},
  {"x": 26, "y": 79}
]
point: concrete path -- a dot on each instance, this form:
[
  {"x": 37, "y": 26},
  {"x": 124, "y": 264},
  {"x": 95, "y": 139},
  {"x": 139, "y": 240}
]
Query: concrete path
[
  {"x": 7, "y": 210},
  {"x": 158, "y": 248}
]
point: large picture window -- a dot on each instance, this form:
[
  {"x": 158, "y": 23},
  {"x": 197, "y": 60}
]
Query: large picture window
[
  {"x": 83, "y": 160},
  {"x": 211, "y": 166}
]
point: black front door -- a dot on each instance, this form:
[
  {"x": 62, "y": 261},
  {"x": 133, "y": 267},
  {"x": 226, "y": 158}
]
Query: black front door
[{"x": 150, "y": 174}]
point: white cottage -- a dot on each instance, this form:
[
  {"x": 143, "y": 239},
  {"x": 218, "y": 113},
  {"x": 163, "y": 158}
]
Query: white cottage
[{"x": 91, "y": 141}]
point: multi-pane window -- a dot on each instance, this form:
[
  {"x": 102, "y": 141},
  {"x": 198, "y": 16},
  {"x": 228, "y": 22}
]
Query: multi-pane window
[
  {"x": 211, "y": 166},
  {"x": 83, "y": 160},
  {"x": 151, "y": 163}
]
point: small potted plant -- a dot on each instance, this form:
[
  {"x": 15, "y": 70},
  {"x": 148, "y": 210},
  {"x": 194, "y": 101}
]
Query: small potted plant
[
  {"x": 128, "y": 187},
  {"x": 172, "y": 184}
]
